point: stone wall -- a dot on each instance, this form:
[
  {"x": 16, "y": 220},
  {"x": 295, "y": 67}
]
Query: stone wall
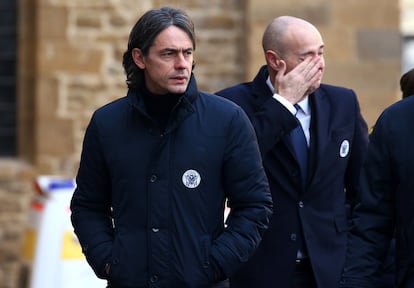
[
  {"x": 70, "y": 54},
  {"x": 15, "y": 195},
  {"x": 79, "y": 64}
]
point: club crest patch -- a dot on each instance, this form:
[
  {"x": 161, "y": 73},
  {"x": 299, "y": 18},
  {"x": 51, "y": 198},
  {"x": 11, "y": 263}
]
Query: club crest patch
[
  {"x": 191, "y": 179},
  {"x": 344, "y": 149}
]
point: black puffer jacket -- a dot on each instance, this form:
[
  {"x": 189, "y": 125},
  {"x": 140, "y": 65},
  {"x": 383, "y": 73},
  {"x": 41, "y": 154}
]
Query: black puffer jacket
[
  {"x": 151, "y": 205},
  {"x": 385, "y": 207}
]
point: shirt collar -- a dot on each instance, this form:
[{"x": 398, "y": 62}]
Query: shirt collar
[{"x": 304, "y": 105}]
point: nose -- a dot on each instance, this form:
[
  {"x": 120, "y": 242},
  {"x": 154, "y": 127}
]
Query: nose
[
  {"x": 180, "y": 61},
  {"x": 322, "y": 63}
]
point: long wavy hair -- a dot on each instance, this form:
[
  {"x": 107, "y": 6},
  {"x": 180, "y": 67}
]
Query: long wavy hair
[{"x": 145, "y": 31}]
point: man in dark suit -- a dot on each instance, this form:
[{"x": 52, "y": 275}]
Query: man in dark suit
[
  {"x": 306, "y": 241},
  {"x": 384, "y": 212}
]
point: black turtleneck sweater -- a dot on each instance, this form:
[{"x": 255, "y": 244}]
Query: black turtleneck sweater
[{"x": 159, "y": 107}]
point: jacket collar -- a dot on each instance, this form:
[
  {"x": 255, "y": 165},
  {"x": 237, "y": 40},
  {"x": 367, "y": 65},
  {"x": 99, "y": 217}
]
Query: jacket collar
[
  {"x": 183, "y": 108},
  {"x": 262, "y": 92},
  {"x": 134, "y": 96}
]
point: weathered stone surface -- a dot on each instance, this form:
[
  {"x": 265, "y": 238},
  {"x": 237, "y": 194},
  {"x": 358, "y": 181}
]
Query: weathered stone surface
[{"x": 70, "y": 55}]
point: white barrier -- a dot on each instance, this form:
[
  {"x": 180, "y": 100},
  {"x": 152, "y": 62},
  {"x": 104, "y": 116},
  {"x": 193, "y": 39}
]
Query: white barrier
[{"x": 51, "y": 249}]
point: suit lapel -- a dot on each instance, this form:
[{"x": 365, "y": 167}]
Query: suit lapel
[
  {"x": 261, "y": 91},
  {"x": 320, "y": 129}
]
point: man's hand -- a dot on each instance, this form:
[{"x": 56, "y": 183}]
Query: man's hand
[{"x": 300, "y": 81}]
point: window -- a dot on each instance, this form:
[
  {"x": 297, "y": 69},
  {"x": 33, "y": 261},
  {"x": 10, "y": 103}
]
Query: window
[{"x": 8, "y": 78}]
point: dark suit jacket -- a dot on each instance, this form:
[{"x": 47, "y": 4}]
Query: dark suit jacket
[
  {"x": 339, "y": 138},
  {"x": 386, "y": 202}
]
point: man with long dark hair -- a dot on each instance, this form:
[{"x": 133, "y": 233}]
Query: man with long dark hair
[{"x": 157, "y": 167}]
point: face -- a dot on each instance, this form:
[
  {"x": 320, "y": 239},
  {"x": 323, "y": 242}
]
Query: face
[
  {"x": 303, "y": 43},
  {"x": 167, "y": 67}
]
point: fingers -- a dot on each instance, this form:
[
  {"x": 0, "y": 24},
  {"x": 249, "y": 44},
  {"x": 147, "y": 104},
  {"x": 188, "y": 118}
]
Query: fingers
[
  {"x": 313, "y": 69},
  {"x": 281, "y": 71},
  {"x": 302, "y": 79},
  {"x": 309, "y": 68}
]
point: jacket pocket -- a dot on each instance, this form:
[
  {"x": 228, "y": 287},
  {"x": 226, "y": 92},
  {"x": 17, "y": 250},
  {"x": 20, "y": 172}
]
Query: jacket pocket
[
  {"x": 205, "y": 245},
  {"x": 127, "y": 262},
  {"x": 97, "y": 256}
]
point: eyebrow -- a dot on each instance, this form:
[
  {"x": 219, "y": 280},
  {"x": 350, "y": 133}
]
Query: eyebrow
[{"x": 176, "y": 49}]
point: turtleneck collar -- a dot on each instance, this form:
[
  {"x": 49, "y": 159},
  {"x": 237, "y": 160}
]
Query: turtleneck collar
[{"x": 158, "y": 106}]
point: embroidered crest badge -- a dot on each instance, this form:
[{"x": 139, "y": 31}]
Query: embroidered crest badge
[
  {"x": 344, "y": 149},
  {"x": 191, "y": 179}
]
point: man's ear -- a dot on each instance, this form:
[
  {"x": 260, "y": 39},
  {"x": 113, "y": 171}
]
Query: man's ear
[
  {"x": 138, "y": 58},
  {"x": 272, "y": 59}
]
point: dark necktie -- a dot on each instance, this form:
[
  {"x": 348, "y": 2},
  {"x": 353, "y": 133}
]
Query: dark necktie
[{"x": 300, "y": 146}]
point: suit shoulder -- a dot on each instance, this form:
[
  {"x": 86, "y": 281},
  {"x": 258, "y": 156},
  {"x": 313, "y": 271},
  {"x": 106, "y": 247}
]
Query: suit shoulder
[
  {"x": 401, "y": 108},
  {"x": 235, "y": 87},
  {"x": 339, "y": 94},
  {"x": 218, "y": 101},
  {"x": 236, "y": 92},
  {"x": 336, "y": 89}
]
